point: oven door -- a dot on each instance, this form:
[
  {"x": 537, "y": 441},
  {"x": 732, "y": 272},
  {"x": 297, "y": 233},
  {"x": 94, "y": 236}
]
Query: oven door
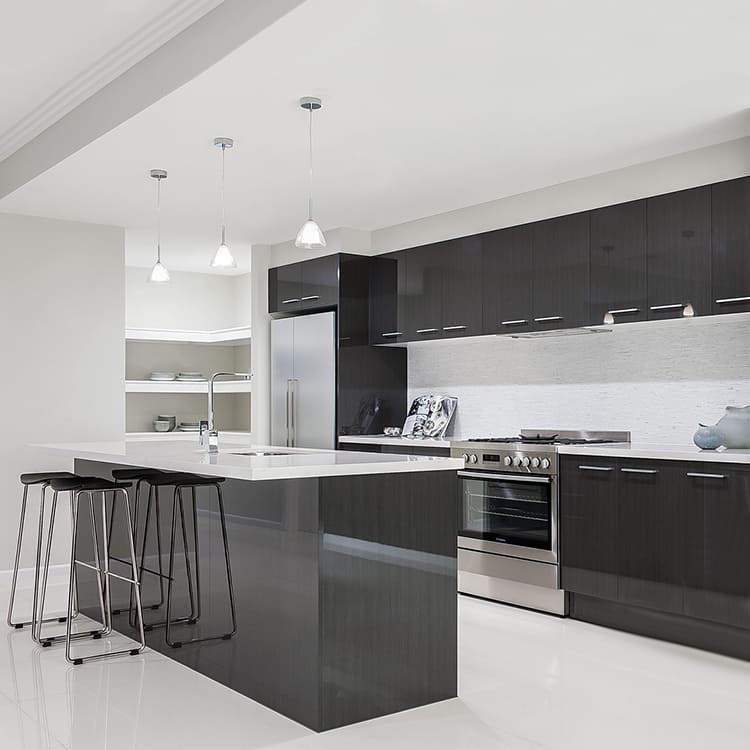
[{"x": 509, "y": 514}]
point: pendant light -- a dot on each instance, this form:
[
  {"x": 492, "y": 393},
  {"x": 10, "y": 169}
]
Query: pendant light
[
  {"x": 310, "y": 235},
  {"x": 223, "y": 257},
  {"x": 159, "y": 273}
]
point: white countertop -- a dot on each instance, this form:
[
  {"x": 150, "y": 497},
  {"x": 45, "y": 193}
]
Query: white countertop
[
  {"x": 387, "y": 440},
  {"x": 660, "y": 452},
  {"x": 178, "y": 455}
]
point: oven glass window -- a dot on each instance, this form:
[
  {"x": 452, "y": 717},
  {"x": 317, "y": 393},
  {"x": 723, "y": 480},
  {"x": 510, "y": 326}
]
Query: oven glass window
[{"x": 503, "y": 510}]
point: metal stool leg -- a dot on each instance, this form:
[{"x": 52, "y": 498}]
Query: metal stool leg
[
  {"x": 73, "y": 582},
  {"x": 106, "y": 574},
  {"x": 230, "y": 585}
]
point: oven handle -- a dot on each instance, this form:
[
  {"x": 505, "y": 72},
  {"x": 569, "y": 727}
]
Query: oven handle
[{"x": 511, "y": 477}]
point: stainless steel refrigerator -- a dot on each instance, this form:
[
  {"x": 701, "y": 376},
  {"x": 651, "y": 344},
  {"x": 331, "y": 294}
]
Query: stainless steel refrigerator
[{"x": 303, "y": 381}]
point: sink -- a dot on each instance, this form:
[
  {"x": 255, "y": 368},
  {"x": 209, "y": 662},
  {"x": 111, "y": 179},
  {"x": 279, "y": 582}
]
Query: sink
[{"x": 259, "y": 453}]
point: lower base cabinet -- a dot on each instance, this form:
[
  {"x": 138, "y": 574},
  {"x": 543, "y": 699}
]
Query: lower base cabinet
[{"x": 666, "y": 536}]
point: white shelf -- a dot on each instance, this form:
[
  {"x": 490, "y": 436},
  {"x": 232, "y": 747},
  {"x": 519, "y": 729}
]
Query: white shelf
[
  {"x": 233, "y": 336},
  {"x": 182, "y": 386},
  {"x": 239, "y": 435}
]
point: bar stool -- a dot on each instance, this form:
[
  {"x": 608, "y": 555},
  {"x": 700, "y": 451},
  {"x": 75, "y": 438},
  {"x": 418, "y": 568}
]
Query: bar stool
[
  {"x": 41, "y": 480},
  {"x": 78, "y": 487},
  {"x": 181, "y": 483},
  {"x": 140, "y": 476}
]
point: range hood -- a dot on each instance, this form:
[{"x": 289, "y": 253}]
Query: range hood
[{"x": 560, "y": 332}]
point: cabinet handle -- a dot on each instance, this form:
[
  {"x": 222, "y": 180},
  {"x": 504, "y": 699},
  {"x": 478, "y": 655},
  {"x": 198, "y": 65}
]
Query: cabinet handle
[
  {"x": 730, "y": 300},
  {"x": 625, "y": 310},
  {"x": 390, "y": 334},
  {"x": 514, "y": 322},
  {"x": 311, "y": 297},
  {"x": 640, "y": 471},
  {"x": 289, "y": 301},
  {"x": 667, "y": 307},
  {"x": 596, "y": 468},
  {"x": 428, "y": 330},
  {"x": 454, "y": 328},
  {"x": 548, "y": 318},
  {"x": 705, "y": 476}
]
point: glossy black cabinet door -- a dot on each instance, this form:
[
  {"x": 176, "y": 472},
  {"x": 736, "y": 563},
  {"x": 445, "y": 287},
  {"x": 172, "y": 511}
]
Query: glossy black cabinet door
[
  {"x": 387, "y": 294},
  {"x": 561, "y": 272},
  {"x": 650, "y": 535},
  {"x": 507, "y": 274},
  {"x": 462, "y": 283},
  {"x": 588, "y": 526},
  {"x": 285, "y": 288},
  {"x": 320, "y": 282},
  {"x": 679, "y": 252},
  {"x": 730, "y": 246},
  {"x": 718, "y": 584},
  {"x": 618, "y": 262},
  {"x": 423, "y": 296}
]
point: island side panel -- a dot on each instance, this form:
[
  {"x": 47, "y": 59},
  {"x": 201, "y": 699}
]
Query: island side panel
[
  {"x": 274, "y": 546},
  {"x": 388, "y": 602}
]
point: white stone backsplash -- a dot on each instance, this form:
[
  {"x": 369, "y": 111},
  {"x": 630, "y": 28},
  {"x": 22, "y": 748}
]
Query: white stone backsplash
[{"x": 656, "y": 379}]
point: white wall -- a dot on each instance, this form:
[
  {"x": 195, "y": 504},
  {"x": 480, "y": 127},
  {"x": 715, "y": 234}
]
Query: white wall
[
  {"x": 190, "y": 301},
  {"x": 62, "y": 307},
  {"x": 657, "y": 379}
]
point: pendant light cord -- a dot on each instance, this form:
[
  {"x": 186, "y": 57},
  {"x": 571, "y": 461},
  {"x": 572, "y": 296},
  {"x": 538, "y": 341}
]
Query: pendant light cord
[
  {"x": 223, "y": 211},
  {"x": 158, "y": 220},
  {"x": 310, "y": 141}
]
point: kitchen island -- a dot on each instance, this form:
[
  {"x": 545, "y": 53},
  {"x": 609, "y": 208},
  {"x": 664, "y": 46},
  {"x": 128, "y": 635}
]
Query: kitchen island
[{"x": 344, "y": 568}]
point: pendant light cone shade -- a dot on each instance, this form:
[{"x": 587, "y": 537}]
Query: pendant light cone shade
[
  {"x": 223, "y": 257},
  {"x": 310, "y": 235},
  {"x": 159, "y": 273}
]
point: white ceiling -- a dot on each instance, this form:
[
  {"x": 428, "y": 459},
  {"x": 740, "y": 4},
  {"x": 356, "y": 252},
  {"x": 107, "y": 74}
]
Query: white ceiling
[
  {"x": 429, "y": 105},
  {"x": 55, "y": 54}
]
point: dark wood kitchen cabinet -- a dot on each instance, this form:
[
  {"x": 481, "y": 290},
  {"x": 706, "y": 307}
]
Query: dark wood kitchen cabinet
[
  {"x": 442, "y": 297},
  {"x": 679, "y": 253},
  {"x": 588, "y": 526},
  {"x": 423, "y": 293},
  {"x": 730, "y": 246},
  {"x": 309, "y": 285},
  {"x": 618, "y": 262},
  {"x": 507, "y": 280},
  {"x": 560, "y": 257},
  {"x": 461, "y": 265},
  {"x": 387, "y": 298},
  {"x": 650, "y": 536},
  {"x": 717, "y": 581}
]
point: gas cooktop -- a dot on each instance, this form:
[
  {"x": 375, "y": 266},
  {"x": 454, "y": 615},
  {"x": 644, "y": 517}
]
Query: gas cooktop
[{"x": 545, "y": 439}]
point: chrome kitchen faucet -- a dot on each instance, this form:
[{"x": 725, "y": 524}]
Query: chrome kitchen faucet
[{"x": 209, "y": 434}]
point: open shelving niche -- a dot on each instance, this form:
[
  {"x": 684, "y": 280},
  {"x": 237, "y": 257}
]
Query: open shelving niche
[{"x": 174, "y": 350}]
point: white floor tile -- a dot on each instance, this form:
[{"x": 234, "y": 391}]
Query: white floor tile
[{"x": 527, "y": 682}]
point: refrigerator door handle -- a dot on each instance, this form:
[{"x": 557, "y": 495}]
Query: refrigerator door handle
[
  {"x": 292, "y": 385},
  {"x": 288, "y": 412}
]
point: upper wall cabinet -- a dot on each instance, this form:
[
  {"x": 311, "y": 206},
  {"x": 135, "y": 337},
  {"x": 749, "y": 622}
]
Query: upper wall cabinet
[
  {"x": 310, "y": 285},
  {"x": 387, "y": 299},
  {"x": 441, "y": 291},
  {"x": 730, "y": 246},
  {"x": 507, "y": 277},
  {"x": 618, "y": 262},
  {"x": 679, "y": 253},
  {"x": 560, "y": 256}
]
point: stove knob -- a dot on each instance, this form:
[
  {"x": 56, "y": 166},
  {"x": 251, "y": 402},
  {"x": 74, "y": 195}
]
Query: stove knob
[
  {"x": 473, "y": 458},
  {"x": 508, "y": 461},
  {"x": 525, "y": 461},
  {"x": 465, "y": 456},
  {"x": 545, "y": 463},
  {"x": 535, "y": 462},
  {"x": 516, "y": 461}
]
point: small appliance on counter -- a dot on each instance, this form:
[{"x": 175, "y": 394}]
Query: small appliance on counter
[
  {"x": 509, "y": 516},
  {"x": 429, "y": 417}
]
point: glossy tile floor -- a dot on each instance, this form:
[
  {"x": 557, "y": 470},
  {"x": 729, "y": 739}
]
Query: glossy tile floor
[{"x": 527, "y": 681}]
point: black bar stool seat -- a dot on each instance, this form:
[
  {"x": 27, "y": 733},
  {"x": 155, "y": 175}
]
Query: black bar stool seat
[
  {"x": 134, "y": 475},
  {"x": 44, "y": 476},
  {"x": 87, "y": 484},
  {"x": 185, "y": 480}
]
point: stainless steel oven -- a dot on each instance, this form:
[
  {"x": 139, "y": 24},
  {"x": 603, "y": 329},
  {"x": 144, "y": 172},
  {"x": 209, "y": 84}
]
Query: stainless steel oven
[
  {"x": 509, "y": 510},
  {"x": 509, "y": 515}
]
